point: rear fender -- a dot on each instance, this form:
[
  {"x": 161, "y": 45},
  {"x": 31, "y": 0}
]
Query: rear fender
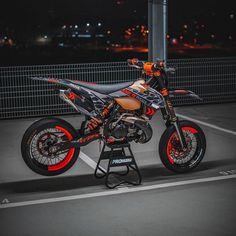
[
  {"x": 78, "y": 90},
  {"x": 62, "y": 82},
  {"x": 75, "y": 96}
]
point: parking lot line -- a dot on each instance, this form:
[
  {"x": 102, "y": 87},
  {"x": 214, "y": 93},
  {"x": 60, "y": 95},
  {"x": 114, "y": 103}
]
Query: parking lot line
[
  {"x": 90, "y": 162},
  {"x": 117, "y": 191},
  {"x": 207, "y": 124}
]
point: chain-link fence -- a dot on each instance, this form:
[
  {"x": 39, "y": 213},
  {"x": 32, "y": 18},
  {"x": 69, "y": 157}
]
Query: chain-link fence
[{"x": 212, "y": 79}]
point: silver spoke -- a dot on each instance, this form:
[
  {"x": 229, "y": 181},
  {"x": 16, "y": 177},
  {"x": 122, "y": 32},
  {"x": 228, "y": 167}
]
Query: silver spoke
[{"x": 39, "y": 147}]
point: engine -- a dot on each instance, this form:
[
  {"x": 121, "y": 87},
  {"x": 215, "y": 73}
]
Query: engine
[
  {"x": 120, "y": 131},
  {"x": 130, "y": 126}
]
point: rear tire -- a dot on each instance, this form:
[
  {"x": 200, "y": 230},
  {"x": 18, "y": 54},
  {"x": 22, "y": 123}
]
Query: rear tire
[
  {"x": 170, "y": 150},
  {"x": 36, "y": 143}
]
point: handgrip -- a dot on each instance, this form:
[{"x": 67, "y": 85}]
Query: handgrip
[
  {"x": 170, "y": 70},
  {"x": 132, "y": 61},
  {"x": 135, "y": 63}
]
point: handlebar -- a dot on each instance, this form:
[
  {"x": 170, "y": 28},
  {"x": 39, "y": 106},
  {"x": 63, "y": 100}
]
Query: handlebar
[
  {"x": 135, "y": 63},
  {"x": 170, "y": 70},
  {"x": 150, "y": 68}
]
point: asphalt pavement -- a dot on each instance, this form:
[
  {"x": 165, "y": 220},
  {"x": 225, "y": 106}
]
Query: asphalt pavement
[{"x": 75, "y": 203}]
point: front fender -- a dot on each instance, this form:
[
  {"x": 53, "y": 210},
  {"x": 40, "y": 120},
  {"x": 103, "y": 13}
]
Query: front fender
[{"x": 184, "y": 92}]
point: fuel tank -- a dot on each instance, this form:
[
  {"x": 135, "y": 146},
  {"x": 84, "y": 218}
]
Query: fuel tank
[{"x": 128, "y": 103}]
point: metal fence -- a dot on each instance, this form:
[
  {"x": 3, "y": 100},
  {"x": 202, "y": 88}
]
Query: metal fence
[{"x": 214, "y": 79}]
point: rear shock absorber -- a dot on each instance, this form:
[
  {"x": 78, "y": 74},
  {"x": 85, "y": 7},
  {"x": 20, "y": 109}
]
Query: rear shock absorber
[{"x": 95, "y": 122}]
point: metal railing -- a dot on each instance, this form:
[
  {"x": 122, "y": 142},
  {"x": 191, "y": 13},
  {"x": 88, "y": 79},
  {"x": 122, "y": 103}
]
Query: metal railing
[{"x": 213, "y": 79}]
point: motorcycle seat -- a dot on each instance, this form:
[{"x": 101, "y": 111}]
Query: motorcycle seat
[{"x": 103, "y": 88}]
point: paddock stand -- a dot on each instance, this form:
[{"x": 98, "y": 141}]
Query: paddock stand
[{"x": 117, "y": 157}]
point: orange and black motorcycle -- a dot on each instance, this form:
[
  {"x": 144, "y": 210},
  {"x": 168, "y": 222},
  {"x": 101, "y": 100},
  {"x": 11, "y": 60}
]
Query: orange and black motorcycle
[{"x": 115, "y": 113}]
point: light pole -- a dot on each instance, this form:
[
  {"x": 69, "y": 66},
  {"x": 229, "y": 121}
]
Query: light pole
[{"x": 157, "y": 24}]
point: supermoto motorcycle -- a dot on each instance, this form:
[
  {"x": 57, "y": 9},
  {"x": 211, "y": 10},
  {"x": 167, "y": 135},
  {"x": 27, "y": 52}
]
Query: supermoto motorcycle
[{"x": 115, "y": 113}]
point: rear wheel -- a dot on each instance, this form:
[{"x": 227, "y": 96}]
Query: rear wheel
[
  {"x": 37, "y": 146},
  {"x": 171, "y": 153}
]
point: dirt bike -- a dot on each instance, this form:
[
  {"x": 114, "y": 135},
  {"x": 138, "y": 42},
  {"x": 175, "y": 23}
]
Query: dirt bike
[{"x": 115, "y": 113}]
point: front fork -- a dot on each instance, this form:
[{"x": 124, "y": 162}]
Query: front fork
[
  {"x": 169, "y": 114},
  {"x": 170, "y": 117}
]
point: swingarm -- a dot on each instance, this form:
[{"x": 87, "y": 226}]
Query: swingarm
[{"x": 83, "y": 141}]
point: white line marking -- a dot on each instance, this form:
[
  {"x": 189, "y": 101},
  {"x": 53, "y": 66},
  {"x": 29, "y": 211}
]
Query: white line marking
[
  {"x": 89, "y": 161},
  {"x": 207, "y": 124},
  {"x": 117, "y": 191}
]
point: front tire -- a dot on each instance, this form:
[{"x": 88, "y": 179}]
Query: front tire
[
  {"x": 36, "y": 142},
  {"x": 170, "y": 150}
]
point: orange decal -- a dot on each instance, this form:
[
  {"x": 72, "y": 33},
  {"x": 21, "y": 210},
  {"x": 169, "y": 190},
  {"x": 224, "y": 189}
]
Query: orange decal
[
  {"x": 157, "y": 73},
  {"x": 165, "y": 92},
  {"x": 73, "y": 96},
  {"x": 150, "y": 111},
  {"x": 90, "y": 137},
  {"x": 54, "y": 81}
]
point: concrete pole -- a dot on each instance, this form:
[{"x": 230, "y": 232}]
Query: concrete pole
[{"x": 157, "y": 24}]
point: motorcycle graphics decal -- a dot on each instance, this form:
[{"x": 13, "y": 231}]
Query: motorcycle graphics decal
[
  {"x": 98, "y": 100},
  {"x": 165, "y": 92},
  {"x": 89, "y": 138},
  {"x": 98, "y": 103},
  {"x": 73, "y": 96},
  {"x": 150, "y": 111},
  {"x": 54, "y": 81},
  {"x": 152, "y": 98}
]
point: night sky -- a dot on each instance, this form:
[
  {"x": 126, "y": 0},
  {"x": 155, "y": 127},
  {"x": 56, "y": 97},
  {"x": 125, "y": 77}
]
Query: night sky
[
  {"x": 26, "y": 13},
  {"x": 207, "y": 22}
]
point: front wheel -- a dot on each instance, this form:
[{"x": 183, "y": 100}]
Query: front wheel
[
  {"x": 171, "y": 153},
  {"x": 37, "y": 146}
]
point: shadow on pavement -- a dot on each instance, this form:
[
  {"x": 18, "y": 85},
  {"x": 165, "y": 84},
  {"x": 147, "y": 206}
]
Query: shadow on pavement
[{"x": 149, "y": 174}]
